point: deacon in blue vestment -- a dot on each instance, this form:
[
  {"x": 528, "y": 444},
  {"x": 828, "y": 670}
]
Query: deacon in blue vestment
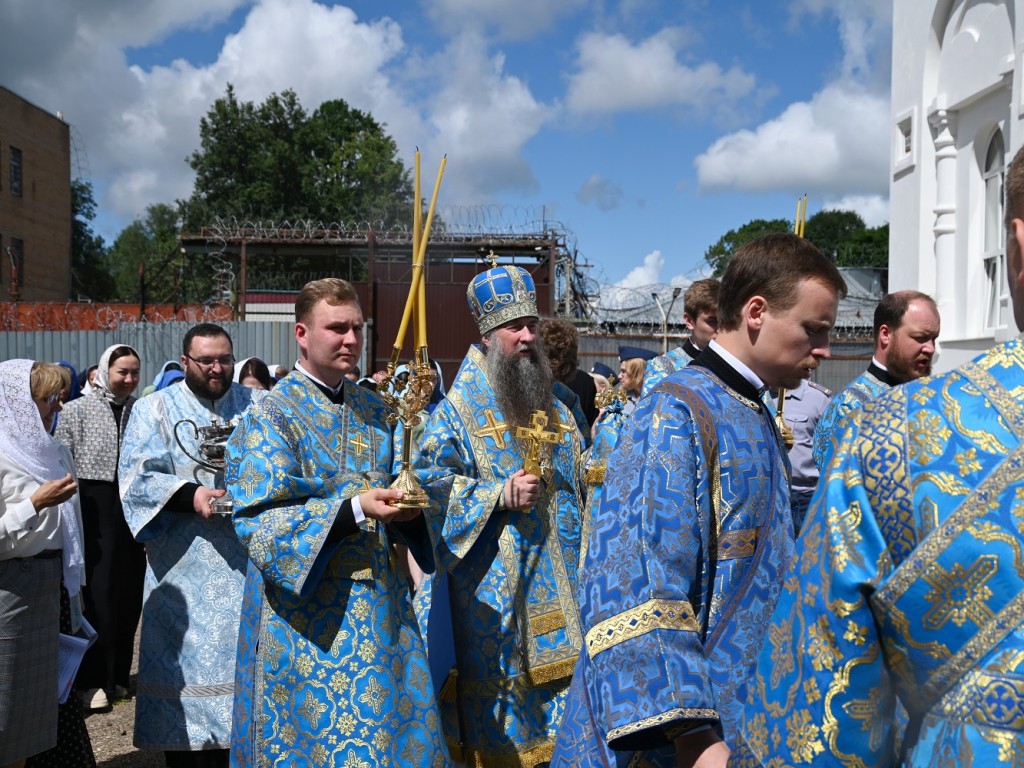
[
  {"x": 700, "y": 314},
  {"x": 909, "y": 586},
  {"x": 507, "y": 522},
  {"x": 906, "y": 326},
  {"x": 692, "y": 540},
  {"x": 194, "y": 564},
  {"x": 331, "y": 667}
]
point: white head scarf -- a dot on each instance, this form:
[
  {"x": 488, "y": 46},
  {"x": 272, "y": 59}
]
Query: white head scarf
[
  {"x": 238, "y": 370},
  {"x": 102, "y": 385},
  {"x": 24, "y": 442}
]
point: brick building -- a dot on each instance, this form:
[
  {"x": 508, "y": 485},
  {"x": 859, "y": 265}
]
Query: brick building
[{"x": 35, "y": 202}]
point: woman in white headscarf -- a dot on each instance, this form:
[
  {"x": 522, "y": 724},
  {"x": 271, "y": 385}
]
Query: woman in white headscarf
[
  {"x": 253, "y": 373},
  {"x": 92, "y": 427},
  {"x": 40, "y": 547}
]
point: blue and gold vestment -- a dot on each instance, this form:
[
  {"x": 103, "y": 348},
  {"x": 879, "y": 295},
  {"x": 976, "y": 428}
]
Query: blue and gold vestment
[
  {"x": 331, "y": 667},
  {"x": 908, "y": 586},
  {"x": 195, "y": 570},
  {"x": 684, "y": 564},
  {"x": 595, "y": 461},
  {"x": 659, "y": 367},
  {"x": 861, "y": 390},
  {"x": 511, "y": 574}
]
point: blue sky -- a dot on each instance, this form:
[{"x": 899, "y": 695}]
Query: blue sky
[{"x": 645, "y": 128}]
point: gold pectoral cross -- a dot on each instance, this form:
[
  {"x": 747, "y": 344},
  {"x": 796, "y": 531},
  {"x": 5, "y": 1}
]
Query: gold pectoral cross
[{"x": 536, "y": 435}]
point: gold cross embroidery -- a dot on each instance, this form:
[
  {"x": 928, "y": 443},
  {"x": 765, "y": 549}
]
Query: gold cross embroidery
[
  {"x": 358, "y": 445},
  {"x": 536, "y": 436},
  {"x": 495, "y": 429}
]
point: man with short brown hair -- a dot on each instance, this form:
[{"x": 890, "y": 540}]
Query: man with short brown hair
[
  {"x": 906, "y": 326},
  {"x": 700, "y": 313},
  {"x": 332, "y": 668},
  {"x": 692, "y": 538},
  {"x": 194, "y": 565}
]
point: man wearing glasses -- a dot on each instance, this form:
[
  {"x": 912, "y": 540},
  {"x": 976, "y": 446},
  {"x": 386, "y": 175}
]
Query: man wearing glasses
[{"x": 195, "y": 566}]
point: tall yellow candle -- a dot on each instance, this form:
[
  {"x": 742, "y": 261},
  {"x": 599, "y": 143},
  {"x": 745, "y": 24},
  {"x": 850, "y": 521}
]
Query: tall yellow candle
[
  {"x": 421, "y": 304},
  {"x": 417, "y": 237},
  {"x": 419, "y": 278},
  {"x": 417, "y": 214}
]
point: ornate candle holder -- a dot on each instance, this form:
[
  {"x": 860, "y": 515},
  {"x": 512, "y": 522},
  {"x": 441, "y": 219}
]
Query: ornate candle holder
[
  {"x": 407, "y": 399},
  {"x": 211, "y": 442},
  {"x": 609, "y": 396}
]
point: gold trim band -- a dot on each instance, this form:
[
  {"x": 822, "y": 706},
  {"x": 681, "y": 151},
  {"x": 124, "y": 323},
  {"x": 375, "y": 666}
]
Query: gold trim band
[
  {"x": 658, "y": 721},
  {"x": 548, "y": 622},
  {"x": 733, "y": 545},
  {"x": 655, "y": 614}
]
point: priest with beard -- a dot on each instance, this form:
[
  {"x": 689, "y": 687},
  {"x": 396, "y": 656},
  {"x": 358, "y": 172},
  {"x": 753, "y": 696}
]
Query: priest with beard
[
  {"x": 507, "y": 538},
  {"x": 195, "y": 566}
]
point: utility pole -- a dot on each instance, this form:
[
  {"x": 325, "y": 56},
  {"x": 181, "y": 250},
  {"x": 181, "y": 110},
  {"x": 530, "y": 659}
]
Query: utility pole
[{"x": 664, "y": 315}]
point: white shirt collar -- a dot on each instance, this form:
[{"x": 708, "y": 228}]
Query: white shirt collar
[
  {"x": 333, "y": 390},
  {"x": 874, "y": 361},
  {"x": 740, "y": 368}
]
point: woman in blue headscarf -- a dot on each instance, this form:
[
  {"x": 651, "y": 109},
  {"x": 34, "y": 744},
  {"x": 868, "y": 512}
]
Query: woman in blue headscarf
[{"x": 75, "y": 390}]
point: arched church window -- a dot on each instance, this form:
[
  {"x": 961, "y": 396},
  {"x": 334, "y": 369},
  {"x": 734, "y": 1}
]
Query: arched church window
[{"x": 994, "y": 252}]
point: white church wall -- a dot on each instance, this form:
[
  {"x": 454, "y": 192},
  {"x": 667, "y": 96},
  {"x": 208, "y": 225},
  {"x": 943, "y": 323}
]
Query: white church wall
[{"x": 956, "y": 81}]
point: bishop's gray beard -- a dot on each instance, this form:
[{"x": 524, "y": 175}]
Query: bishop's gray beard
[{"x": 522, "y": 385}]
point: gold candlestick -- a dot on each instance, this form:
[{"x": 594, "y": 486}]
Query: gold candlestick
[{"x": 407, "y": 399}]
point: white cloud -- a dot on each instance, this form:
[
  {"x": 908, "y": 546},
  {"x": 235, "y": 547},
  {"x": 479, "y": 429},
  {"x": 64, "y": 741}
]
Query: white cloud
[
  {"x": 874, "y": 209},
  {"x": 603, "y": 193},
  {"x": 633, "y": 292},
  {"x": 487, "y": 116},
  {"x": 865, "y": 30},
  {"x": 646, "y": 274},
  {"x": 513, "y": 21},
  {"x": 615, "y": 75},
  {"x": 837, "y": 143},
  {"x": 138, "y": 126}
]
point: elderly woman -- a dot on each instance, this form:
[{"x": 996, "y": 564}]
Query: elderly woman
[
  {"x": 40, "y": 547},
  {"x": 92, "y": 428}
]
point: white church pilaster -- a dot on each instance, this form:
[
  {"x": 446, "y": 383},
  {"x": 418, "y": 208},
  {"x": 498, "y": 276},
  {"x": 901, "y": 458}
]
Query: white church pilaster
[{"x": 944, "y": 228}]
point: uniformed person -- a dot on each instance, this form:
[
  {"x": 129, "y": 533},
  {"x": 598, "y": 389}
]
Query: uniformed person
[{"x": 801, "y": 411}]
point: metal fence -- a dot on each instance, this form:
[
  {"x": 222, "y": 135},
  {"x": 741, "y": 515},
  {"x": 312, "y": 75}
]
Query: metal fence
[
  {"x": 156, "y": 343},
  {"x": 274, "y": 343}
]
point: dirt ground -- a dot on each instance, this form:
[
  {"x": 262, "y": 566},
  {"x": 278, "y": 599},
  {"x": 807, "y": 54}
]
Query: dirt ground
[{"x": 111, "y": 733}]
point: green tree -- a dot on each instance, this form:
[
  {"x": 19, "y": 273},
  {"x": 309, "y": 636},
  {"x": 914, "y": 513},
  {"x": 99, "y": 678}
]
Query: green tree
[
  {"x": 147, "y": 250},
  {"x": 866, "y": 248},
  {"x": 830, "y": 230},
  {"x": 90, "y": 273},
  {"x": 273, "y": 161},
  {"x": 352, "y": 171},
  {"x": 719, "y": 254}
]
